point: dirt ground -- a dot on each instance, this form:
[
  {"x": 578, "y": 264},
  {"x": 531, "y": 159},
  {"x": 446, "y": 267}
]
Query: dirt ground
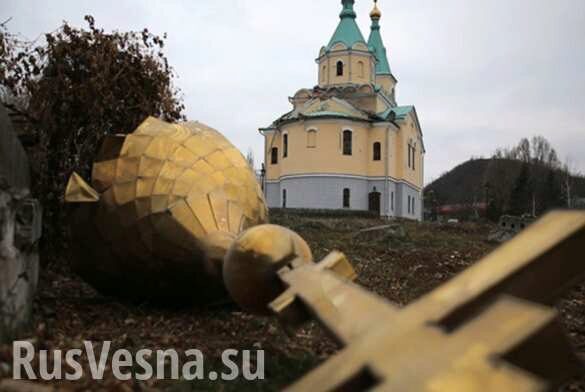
[{"x": 68, "y": 312}]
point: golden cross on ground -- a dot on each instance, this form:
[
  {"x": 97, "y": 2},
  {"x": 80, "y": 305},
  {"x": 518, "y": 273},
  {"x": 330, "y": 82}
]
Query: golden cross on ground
[{"x": 488, "y": 329}]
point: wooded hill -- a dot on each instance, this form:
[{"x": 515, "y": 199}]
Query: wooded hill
[{"x": 506, "y": 185}]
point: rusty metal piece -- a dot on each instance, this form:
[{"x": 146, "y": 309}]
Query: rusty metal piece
[
  {"x": 165, "y": 204},
  {"x": 488, "y": 329}
]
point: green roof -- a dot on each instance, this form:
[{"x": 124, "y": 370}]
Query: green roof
[
  {"x": 400, "y": 111},
  {"x": 347, "y": 31},
  {"x": 377, "y": 46}
]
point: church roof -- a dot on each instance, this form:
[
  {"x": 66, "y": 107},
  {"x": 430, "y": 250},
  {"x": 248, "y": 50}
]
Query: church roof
[
  {"x": 376, "y": 45},
  {"x": 400, "y": 112},
  {"x": 347, "y": 31},
  {"x": 318, "y": 108}
]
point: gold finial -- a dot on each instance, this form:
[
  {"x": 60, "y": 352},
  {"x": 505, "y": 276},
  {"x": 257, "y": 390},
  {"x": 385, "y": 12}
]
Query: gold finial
[{"x": 376, "y": 13}]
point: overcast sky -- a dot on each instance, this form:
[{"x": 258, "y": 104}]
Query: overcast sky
[{"x": 482, "y": 74}]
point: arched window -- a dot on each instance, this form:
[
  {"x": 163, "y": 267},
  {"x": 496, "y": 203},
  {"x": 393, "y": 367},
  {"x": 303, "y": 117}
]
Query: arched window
[
  {"x": 347, "y": 142},
  {"x": 285, "y": 145},
  {"x": 324, "y": 74},
  {"x": 312, "y": 138},
  {"x": 346, "y": 198},
  {"x": 361, "y": 69},
  {"x": 414, "y": 157},
  {"x": 377, "y": 151},
  {"x": 274, "y": 155},
  {"x": 284, "y": 198},
  {"x": 340, "y": 68}
]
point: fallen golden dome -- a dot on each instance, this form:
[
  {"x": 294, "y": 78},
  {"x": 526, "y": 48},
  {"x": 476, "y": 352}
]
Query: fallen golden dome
[{"x": 164, "y": 205}]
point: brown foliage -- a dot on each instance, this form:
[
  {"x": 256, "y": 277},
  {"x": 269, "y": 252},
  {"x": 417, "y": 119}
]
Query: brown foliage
[{"x": 77, "y": 87}]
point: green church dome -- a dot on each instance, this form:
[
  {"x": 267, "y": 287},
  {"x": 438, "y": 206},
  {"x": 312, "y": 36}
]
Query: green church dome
[{"x": 347, "y": 32}]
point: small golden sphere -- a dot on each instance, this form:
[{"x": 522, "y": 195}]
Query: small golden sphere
[
  {"x": 253, "y": 260},
  {"x": 376, "y": 13}
]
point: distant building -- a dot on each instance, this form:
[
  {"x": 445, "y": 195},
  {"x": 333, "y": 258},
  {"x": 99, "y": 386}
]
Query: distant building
[
  {"x": 462, "y": 211},
  {"x": 347, "y": 144}
]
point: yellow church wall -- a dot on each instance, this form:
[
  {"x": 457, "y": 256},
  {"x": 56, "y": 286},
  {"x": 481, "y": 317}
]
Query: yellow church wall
[
  {"x": 376, "y": 168},
  {"x": 409, "y": 131},
  {"x": 352, "y": 68},
  {"x": 272, "y": 139},
  {"x": 361, "y": 69},
  {"x": 387, "y": 83},
  {"x": 381, "y": 105},
  {"x": 393, "y": 151},
  {"x": 331, "y": 63},
  {"x": 327, "y": 155}
]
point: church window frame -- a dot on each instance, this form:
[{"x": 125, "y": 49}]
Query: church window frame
[
  {"x": 274, "y": 156},
  {"x": 347, "y": 142},
  {"x": 361, "y": 69},
  {"x": 346, "y": 198},
  {"x": 285, "y": 143},
  {"x": 414, "y": 157},
  {"x": 339, "y": 68},
  {"x": 377, "y": 151},
  {"x": 312, "y": 137}
]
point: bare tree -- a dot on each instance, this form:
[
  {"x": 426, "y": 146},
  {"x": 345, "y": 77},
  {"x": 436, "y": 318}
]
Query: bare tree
[
  {"x": 75, "y": 87},
  {"x": 568, "y": 180},
  {"x": 250, "y": 159}
]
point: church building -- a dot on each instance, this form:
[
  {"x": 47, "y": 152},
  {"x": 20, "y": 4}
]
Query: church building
[{"x": 347, "y": 144}]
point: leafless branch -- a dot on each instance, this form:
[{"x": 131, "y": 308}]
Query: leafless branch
[{"x": 3, "y": 24}]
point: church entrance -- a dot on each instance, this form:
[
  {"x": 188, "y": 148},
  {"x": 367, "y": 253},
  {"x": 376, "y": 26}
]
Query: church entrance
[{"x": 374, "y": 202}]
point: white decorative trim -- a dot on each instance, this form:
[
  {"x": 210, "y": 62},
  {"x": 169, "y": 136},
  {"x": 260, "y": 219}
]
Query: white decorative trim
[
  {"x": 348, "y": 176},
  {"x": 327, "y": 121}
]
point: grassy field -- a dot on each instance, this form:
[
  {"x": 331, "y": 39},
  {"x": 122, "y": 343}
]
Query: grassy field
[{"x": 67, "y": 311}]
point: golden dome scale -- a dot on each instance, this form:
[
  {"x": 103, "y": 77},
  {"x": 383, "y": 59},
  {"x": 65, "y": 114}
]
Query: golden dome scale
[{"x": 165, "y": 204}]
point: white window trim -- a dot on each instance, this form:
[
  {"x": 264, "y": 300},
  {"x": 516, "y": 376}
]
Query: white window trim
[{"x": 311, "y": 129}]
